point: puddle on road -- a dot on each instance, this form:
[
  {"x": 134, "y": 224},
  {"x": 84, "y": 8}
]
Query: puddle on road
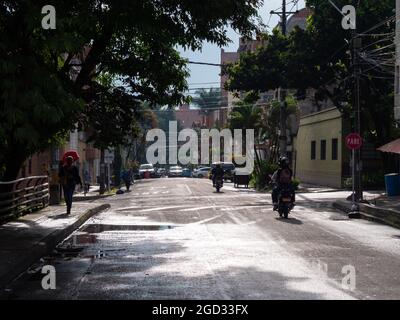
[{"x": 98, "y": 228}]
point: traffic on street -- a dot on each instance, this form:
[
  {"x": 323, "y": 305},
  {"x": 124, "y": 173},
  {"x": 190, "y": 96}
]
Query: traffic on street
[{"x": 174, "y": 238}]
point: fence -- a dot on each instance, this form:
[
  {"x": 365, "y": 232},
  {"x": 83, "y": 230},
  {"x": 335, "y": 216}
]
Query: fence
[{"x": 22, "y": 195}]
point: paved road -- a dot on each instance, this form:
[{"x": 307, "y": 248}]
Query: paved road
[{"x": 177, "y": 239}]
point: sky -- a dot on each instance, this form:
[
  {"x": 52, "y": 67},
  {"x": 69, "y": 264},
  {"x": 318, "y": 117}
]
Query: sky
[{"x": 208, "y": 76}]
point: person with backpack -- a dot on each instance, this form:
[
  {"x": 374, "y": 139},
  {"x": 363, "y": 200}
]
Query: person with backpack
[
  {"x": 282, "y": 179},
  {"x": 69, "y": 177}
]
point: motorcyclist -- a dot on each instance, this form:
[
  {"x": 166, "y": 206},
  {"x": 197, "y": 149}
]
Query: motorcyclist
[
  {"x": 282, "y": 179},
  {"x": 216, "y": 172}
]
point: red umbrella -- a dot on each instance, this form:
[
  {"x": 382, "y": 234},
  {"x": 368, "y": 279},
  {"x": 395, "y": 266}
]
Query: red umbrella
[{"x": 72, "y": 154}]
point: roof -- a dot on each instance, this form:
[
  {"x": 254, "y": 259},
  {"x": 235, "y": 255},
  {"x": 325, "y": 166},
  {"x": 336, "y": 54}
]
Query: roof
[{"x": 392, "y": 147}]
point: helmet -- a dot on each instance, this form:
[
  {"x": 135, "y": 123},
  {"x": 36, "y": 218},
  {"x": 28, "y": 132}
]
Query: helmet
[{"x": 283, "y": 162}]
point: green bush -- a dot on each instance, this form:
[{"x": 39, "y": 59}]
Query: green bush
[
  {"x": 296, "y": 183},
  {"x": 370, "y": 180},
  {"x": 261, "y": 180},
  {"x": 374, "y": 180}
]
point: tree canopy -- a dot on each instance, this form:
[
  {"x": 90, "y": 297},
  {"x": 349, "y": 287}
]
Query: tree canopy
[
  {"x": 50, "y": 78},
  {"x": 320, "y": 58}
]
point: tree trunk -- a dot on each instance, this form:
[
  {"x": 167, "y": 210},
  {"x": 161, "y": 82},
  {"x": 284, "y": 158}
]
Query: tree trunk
[
  {"x": 102, "y": 172},
  {"x": 258, "y": 161},
  {"x": 13, "y": 164},
  {"x": 117, "y": 166}
]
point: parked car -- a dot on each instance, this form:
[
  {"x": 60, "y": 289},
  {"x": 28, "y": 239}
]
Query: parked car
[
  {"x": 186, "y": 172},
  {"x": 201, "y": 172},
  {"x": 175, "y": 171},
  {"x": 146, "y": 170},
  {"x": 229, "y": 170},
  {"x": 160, "y": 172}
]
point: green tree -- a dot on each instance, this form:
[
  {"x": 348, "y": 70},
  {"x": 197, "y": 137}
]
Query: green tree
[
  {"x": 50, "y": 78},
  {"x": 319, "y": 58},
  {"x": 208, "y": 100}
]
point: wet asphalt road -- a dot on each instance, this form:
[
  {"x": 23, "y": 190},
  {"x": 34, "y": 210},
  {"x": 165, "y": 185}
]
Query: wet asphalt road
[{"x": 178, "y": 239}]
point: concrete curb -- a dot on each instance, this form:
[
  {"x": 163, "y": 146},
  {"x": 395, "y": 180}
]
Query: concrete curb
[
  {"x": 369, "y": 212},
  {"x": 46, "y": 245},
  {"x": 90, "y": 198}
]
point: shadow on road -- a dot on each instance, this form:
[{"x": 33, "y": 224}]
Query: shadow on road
[{"x": 290, "y": 220}]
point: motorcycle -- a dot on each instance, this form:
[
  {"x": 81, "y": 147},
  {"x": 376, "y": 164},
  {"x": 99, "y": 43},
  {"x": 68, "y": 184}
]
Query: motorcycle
[
  {"x": 285, "y": 203},
  {"x": 219, "y": 183}
]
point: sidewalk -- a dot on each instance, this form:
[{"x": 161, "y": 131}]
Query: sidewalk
[
  {"x": 27, "y": 239},
  {"x": 379, "y": 208},
  {"x": 304, "y": 187},
  {"x": 93, "y": 194}
]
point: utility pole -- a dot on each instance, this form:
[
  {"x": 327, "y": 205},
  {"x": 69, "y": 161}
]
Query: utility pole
[
  {"x": 282, "y": 92},
  {"x": 356, "y": 156},
  {"x": 356, "y": 43}
]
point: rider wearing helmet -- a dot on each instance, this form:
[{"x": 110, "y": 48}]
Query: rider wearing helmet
[
  {"x": 282, "y": 177},
  {"x": 217, "y": 171}
]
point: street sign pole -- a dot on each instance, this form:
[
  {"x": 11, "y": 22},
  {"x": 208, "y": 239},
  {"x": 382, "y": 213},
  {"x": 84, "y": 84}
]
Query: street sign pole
[
  {"x": 354, "y": 142},
  {"x": 355, "y": 209}
]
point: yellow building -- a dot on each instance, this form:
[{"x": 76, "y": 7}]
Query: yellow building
[{"x": 319, "y": 149}]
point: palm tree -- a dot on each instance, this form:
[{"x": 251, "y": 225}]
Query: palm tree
[
  {"x": 208, "y": 100},
  {"x": 248, "y": 116},
  {"x": 265, "y": 120}
]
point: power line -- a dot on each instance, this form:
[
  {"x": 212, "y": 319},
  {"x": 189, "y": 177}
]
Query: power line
[
  {"x": 206, "y": 63},
  {"x": 378, "y": 25},
  {"x": 199, "y": 83}
]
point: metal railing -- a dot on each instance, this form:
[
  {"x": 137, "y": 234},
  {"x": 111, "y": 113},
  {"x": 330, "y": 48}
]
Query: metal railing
[{"x": 23, "y": 195}]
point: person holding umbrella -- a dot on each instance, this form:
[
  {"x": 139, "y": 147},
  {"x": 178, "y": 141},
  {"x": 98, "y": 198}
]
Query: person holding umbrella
[{"x": 69, "y": 177}]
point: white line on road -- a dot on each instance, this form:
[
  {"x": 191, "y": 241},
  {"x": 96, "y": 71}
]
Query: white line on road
[
  {"x": 188, "y": 189},
  {"x": 206, "y": 220},
  {"x": 197, "y": 208},
  {"x": 160, "y": 208}
]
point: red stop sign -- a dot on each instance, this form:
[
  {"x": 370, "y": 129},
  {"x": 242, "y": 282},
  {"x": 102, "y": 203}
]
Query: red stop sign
[{"x": 353, "y": 141}]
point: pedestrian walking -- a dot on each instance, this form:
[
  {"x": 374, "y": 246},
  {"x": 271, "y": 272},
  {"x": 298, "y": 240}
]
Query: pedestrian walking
[
  {"x": 127, "y": 177},
  {"x": 69, "y": 177}
]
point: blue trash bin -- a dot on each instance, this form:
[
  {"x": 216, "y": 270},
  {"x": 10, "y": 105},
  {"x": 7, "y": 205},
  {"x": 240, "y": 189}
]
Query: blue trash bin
[{"x": 392, "y": 182}]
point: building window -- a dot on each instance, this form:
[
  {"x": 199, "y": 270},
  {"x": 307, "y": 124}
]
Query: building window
[
  {"x": 313, "y": 150},
  {"x": 334, "y": 149},
  {"x": 323, "y": 149}
]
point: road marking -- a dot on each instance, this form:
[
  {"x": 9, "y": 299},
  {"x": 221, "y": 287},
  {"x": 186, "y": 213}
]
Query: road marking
[
  {"x": 206, "y": 220},
  {"x": 188, "y": 189},
  {"x": 160, "y": 208},
  {"x": 197, "y": 208},
  {"x": 242, "y": 207}
]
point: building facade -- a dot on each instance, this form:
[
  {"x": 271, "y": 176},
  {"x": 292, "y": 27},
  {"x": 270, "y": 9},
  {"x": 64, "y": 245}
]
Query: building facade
[
  {"x": 319, "y": 155},
  {"x": 397, "y": 77}
]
